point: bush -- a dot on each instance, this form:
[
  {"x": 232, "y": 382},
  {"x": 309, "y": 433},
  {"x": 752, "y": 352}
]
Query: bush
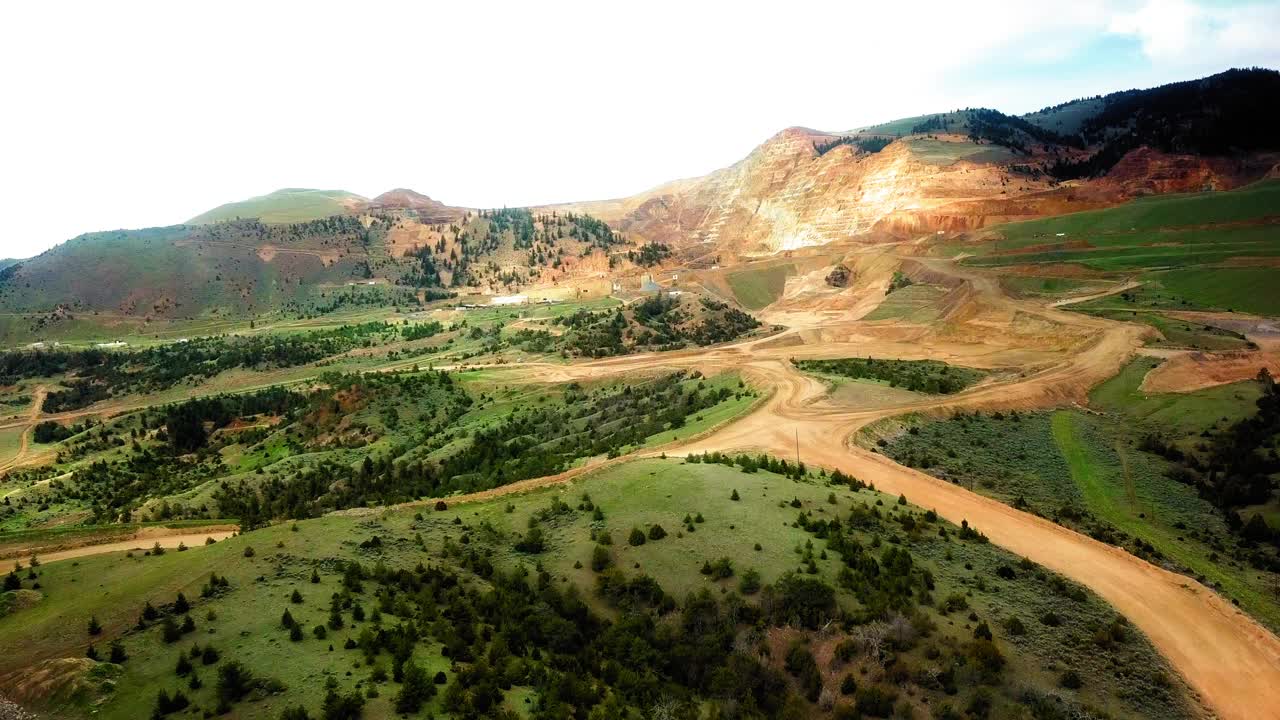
[
  {"x": 722, "y": 568},
  {"x": 248, "y": 551},
  {"x": 532, "y": 542},
  {"x": 656, "y": 532},
  {"x": 1071, "y": 680},
  {"x": 750, "y": 583},
  {"x": 600, "y": 558},
  {"x": 637, "y": 537},
  {"x": 234, "y": 682},
  {"x": 1015, "y": 626},
  {"x": 875, "y": 701}
]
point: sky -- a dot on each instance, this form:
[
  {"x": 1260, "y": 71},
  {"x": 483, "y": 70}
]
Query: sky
[{"x": 137, "y": 114}]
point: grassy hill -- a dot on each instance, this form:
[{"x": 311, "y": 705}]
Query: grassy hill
[
  {"x": 1210, "y": 251},
  {"x": 754, "y": 588},
  {"x": 396, "y": 256},
  {"x": 288, "y": 205}
]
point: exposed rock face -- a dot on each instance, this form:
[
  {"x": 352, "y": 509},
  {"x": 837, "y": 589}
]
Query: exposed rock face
[
  {"x": 785, "y": 195},
  {"x": 1146, "y": 171}
]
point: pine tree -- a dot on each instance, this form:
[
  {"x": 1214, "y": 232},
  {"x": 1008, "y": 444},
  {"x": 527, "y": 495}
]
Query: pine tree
[
  {"x": 169, "y": 631},
  {"x": 95, "y": 628}
]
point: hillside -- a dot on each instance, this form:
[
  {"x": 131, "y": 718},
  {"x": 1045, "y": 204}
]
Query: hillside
[
  {"x": 407, "y": 250},
  {"x": 300, "y": 251},
  {"x": 288, "y": 205},
  {"x": 963, "y": 170}
]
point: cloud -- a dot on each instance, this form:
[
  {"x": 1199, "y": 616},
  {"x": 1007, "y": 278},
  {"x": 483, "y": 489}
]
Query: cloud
[{"x": 1181, "y": 33}]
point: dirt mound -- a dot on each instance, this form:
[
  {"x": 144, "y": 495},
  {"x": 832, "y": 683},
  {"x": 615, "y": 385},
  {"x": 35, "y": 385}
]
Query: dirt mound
[
  {"x": 1193, "y": 371},
  {"x": 18, "y": 600},
  {"x": 62, "y": 680}
]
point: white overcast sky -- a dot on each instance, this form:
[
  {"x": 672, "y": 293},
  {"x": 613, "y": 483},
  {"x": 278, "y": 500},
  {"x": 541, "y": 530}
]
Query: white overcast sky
[{"x": 132, "y": 114}]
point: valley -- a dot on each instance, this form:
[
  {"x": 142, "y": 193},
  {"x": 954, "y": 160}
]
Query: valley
[{"x": 938, "y": 418}]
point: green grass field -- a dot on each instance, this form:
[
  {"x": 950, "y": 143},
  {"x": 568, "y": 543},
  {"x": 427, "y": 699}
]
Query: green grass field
[
  {"x": 1181, "y": 246},
  {"x": 914, "y": 303},
  {"x": 1252, "y": 289},
  {"x": 1020, "y": 285},
  {"x": 1177, "y": 333},
  {"x": 755, "y": 288},
  {"x": 1123, "y": 679},
  {"x": 1185, "y": 413},
  {"x": 1155, "y": 509},
  {"x": 1153, "y": 213},
  {"x": 282, "y": 206},
  {"x": 1085, "y": 471},
  {"x": 946, "y": 152}
]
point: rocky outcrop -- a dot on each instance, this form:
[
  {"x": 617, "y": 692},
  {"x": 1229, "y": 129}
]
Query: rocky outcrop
[{"x": 786, "y": 195}]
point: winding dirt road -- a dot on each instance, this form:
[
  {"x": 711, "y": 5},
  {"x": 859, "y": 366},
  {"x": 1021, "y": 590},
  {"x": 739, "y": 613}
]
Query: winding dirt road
[
  {"x": 33, "y": 417},
  {"x": 1045, "y": 357},
  {"x": 1230, "y": 661}
]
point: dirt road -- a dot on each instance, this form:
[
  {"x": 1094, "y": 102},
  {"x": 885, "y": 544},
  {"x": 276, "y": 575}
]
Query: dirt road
[
  {"x": 33, "y": 417},
  {"x": 1045, "y": 357},
  {"x": 144, "y": 539},
  {"x": 1230, "y": 661}
]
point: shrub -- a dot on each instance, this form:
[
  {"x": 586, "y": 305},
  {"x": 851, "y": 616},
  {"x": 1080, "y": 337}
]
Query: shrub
[
  {"x": 1071, "y": 680},
  {"x": 600, "y": 558},
  {"x": 637, "y": 536},
  {"x": 875, "y": 701},
  {"x": 656, "y": 532}
]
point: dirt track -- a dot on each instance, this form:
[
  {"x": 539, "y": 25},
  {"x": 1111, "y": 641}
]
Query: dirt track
[
  {"x": 33, "y": 417},
  {"x": 1046, "y": 357},
  {"x": 1230, "y": 661},
  {"x": 144, "y": 539}
]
